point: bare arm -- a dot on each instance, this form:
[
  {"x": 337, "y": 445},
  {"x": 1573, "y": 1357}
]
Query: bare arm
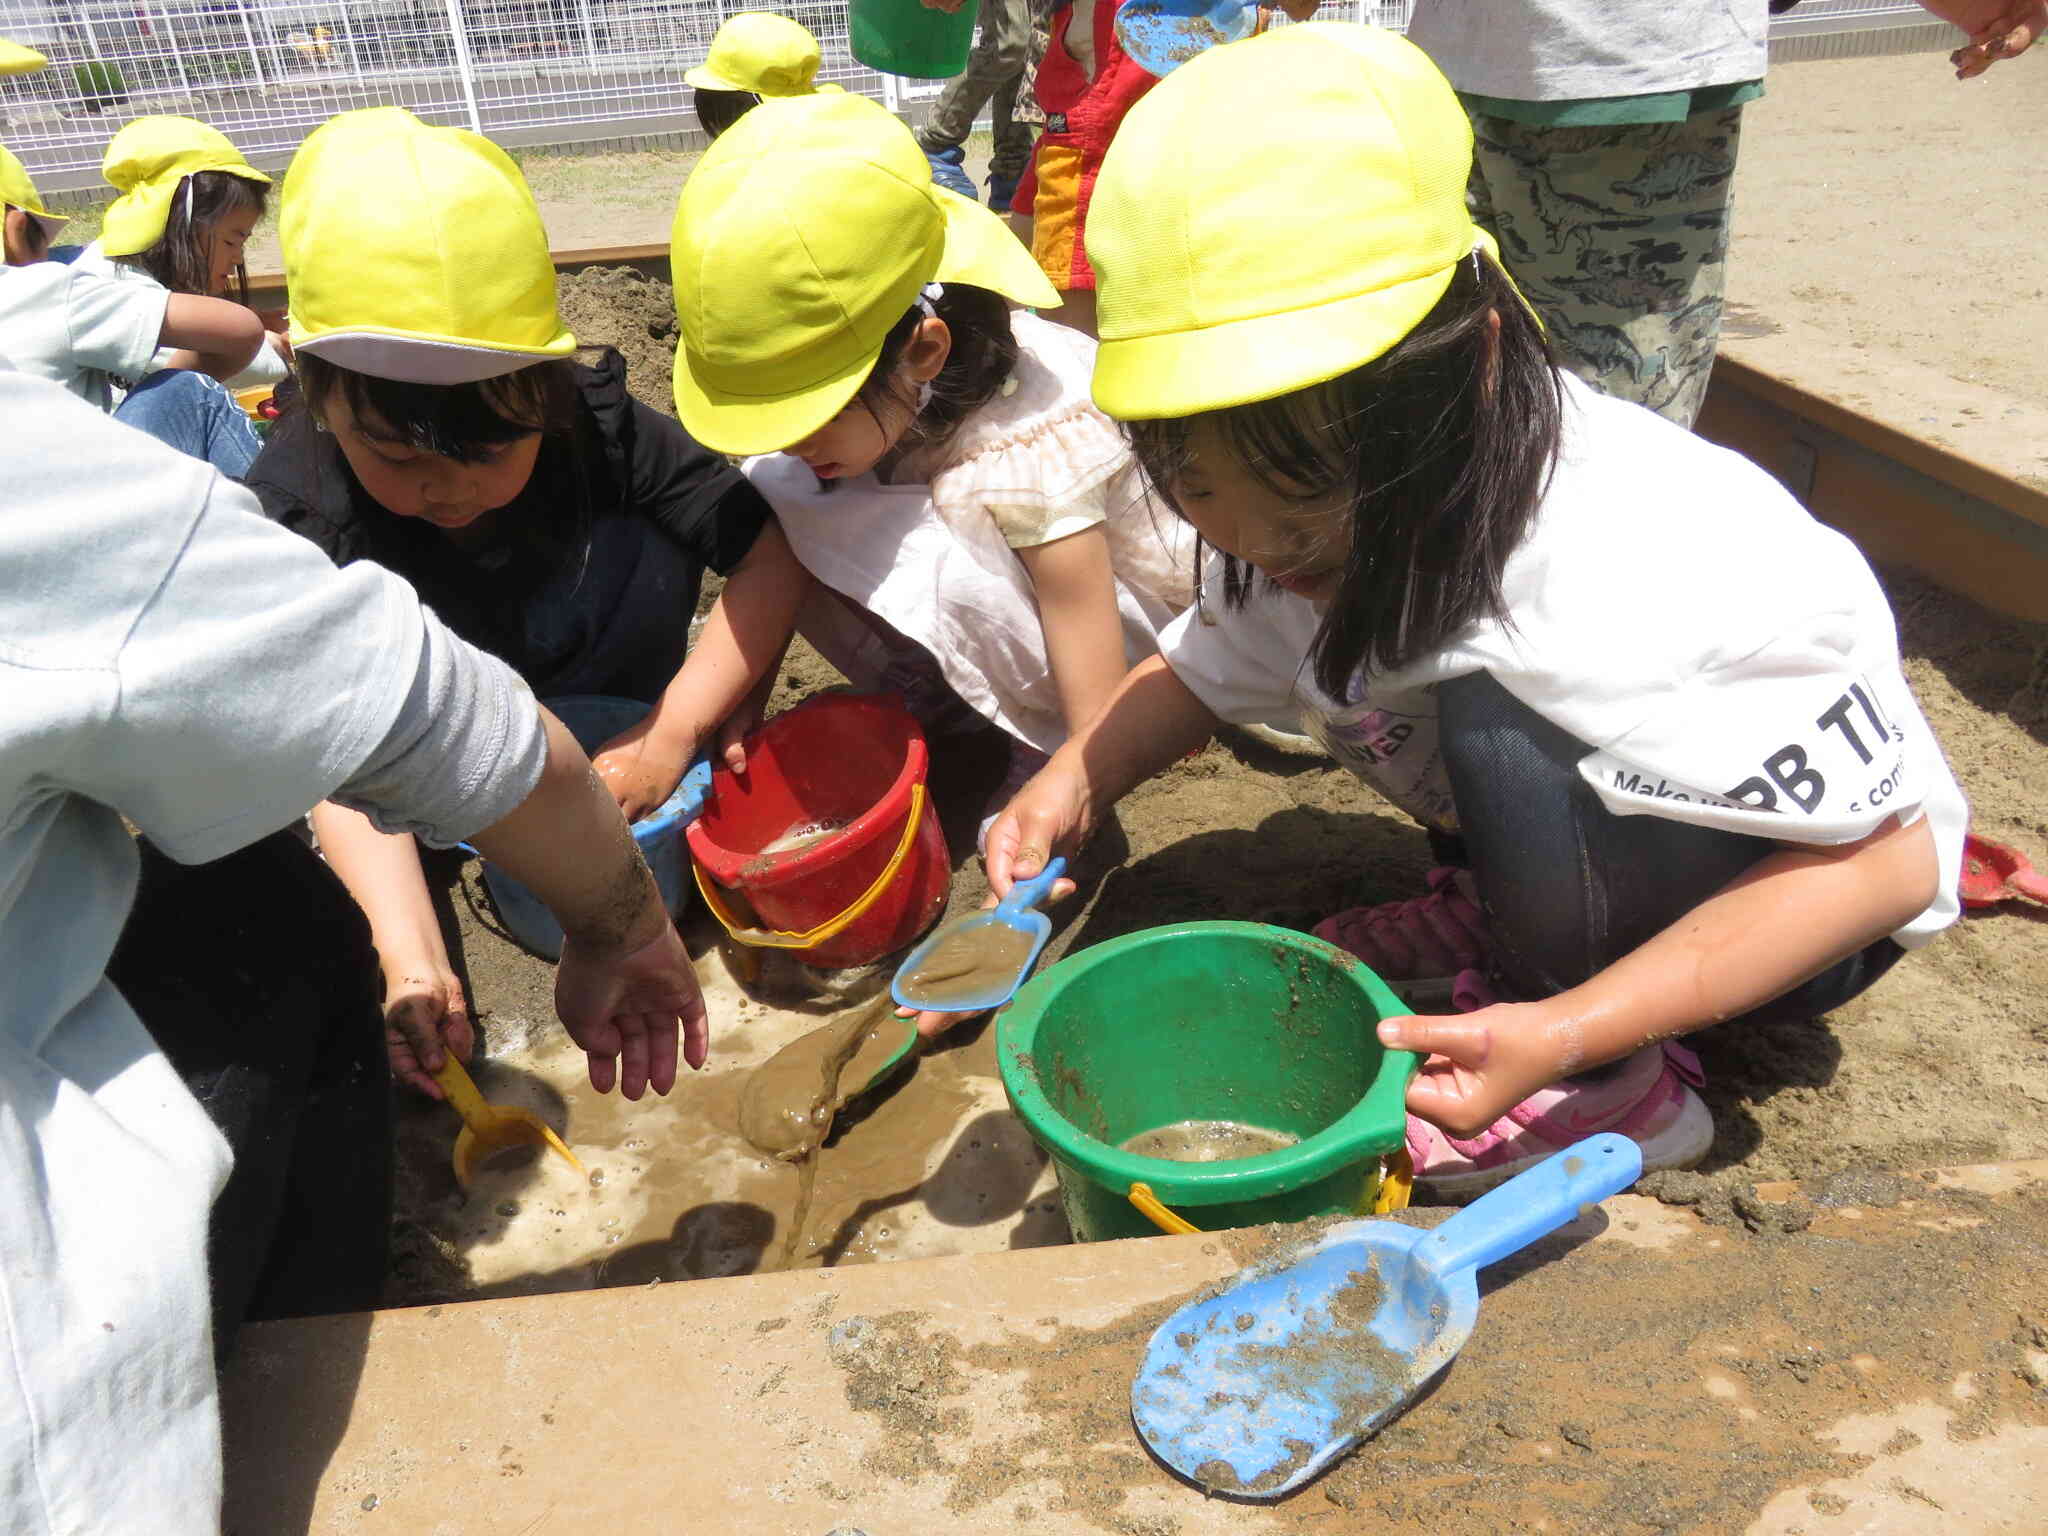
[
  {"x": 1084, "y": 634},
  {"x": 211, "y": 335},
  {"x": 744, "y": 636},
  {"x": 1791, "y": 916},
  {"x": 1150, "y": 723},
  {"x": 624, "y": 978},
  {"x": 424, "y": 1005}
]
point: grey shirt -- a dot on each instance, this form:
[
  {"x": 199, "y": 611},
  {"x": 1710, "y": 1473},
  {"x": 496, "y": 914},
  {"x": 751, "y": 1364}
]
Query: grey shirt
[
  {"x": 1575, "y": 50},
  {"x": 169, "y": 656}
]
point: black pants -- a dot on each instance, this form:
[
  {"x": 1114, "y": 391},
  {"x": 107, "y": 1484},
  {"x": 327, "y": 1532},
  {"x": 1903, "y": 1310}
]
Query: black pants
[
  {"x": 1569, "y": 887},
  {"x": 256, "y": 977}
]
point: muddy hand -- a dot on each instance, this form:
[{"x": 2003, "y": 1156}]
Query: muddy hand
[
  {"x": 425, "y": 1013},
  {"x": 638, "y": 771},
  {"x": 625, "y": 1010},
  {"x": 1477, "y": 1066},
  {"x": 1049, "y": 815}
]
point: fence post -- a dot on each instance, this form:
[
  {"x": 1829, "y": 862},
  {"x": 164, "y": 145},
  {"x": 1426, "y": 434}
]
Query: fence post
[
  {"x": 249, "y": 37},
  {"x": 463, "y": 63},
  {"x": 348, "y": 40},
  {"x": 177, "y": 54},
  {"x": 589, "y": 37}
]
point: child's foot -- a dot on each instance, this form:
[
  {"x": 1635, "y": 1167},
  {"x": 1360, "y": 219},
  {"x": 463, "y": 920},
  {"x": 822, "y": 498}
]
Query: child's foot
[
  {"x": 1647, "y": 1097},
  {"x": 1002, "y": 190},
  {"x": 1434, "y": 935},
  {"x": 946, "y": 172}
]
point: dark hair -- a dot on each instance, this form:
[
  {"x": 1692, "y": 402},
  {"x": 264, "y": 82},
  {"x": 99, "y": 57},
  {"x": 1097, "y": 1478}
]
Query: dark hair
[
  {"x": 180, "y": 259},
  {"x": 457, "y": 421},
  {"x": 37, "y": 238},
  {"x": 1444, "y": 445},
  {"x": 719, "y": 110},
  {"x": 982, "y": 354}
]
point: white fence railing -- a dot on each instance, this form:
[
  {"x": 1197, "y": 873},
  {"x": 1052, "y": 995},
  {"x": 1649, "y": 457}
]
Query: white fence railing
[{"x": 266, "y": 72}]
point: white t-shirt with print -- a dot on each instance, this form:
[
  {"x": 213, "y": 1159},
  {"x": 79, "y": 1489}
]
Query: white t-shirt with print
[
  {"x": 79, "y": 328},
  {"x": 1729, "y": 661}
]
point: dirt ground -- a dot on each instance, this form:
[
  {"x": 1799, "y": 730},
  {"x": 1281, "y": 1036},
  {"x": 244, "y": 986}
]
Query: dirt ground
[{"x": 1946, "y": 1061}]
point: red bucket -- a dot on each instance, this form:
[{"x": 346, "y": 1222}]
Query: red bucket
[{"x": 839, "y": 781}]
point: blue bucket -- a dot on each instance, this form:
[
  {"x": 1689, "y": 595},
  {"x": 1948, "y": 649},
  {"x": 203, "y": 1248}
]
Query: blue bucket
[{"x": 593, "y": 720}]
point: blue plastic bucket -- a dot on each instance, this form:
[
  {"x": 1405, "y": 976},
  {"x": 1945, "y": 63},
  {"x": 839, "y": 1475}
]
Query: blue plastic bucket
[{"x": 593, "y": 720}]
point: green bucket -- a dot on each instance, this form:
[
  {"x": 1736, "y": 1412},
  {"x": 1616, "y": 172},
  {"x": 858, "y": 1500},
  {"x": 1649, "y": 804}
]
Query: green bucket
[{"x": 1207, "y": 1021}]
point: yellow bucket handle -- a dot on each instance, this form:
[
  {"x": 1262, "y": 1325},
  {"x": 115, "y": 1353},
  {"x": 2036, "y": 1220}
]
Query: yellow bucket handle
[
  {"x": 769, "y": 938},
  {"x": 1397, "y": 1183},
  {"x": 1165, "y": 1220}
]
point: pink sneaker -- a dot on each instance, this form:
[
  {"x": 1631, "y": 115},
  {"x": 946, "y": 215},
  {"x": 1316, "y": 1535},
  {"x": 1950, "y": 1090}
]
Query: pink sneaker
[
  {"x": 1650, "y": 1099},
  {"x": 1434, "y": 935}
]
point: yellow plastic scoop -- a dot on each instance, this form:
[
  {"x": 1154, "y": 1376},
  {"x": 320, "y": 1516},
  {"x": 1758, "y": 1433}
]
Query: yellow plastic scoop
[{"x": 488, "y": 1129}]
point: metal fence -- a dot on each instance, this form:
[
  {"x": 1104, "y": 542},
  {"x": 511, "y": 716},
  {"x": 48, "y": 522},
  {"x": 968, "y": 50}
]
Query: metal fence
[{"x": 533, "y": 72}]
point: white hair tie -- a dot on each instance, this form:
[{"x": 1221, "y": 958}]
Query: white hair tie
[{"x": 929, "y": 295}]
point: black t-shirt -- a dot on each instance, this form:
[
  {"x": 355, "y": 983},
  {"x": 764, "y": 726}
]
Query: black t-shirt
[{"x": 592, "y": 578}]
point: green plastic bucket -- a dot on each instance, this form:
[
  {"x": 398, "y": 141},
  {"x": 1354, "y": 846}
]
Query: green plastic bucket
[
  {"x": 1207, "y": 1021},
  {"x": 907, "y": 37}
]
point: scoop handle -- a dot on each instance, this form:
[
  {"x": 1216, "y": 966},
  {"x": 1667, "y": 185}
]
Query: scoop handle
[
  {"x": 1532, "y": 1203},
  {"x": 461, "y": 1091},
  {"x": 1026, "y": 894}
]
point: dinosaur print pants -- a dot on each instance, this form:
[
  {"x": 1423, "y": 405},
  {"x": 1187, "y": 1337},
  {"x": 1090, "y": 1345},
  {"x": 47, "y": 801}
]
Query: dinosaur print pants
[{"x": 1618, "y": 235}]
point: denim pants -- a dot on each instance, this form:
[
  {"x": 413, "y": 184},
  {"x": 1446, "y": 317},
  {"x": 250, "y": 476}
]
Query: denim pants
[
  {"x": 195, "y": 414},
  {"x": 1569, "y": 887}
]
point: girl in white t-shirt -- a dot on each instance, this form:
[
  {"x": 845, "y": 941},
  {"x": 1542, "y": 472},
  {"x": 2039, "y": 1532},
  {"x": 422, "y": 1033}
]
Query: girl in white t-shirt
[
  {"x": 1650, "y": 710},
  {"x": 983, "y": 532},
  {"x": 189, "y": 203}
]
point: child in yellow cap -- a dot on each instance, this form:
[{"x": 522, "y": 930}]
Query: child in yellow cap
[
  {"x": 26, "y": 227},
  {"x": 754, "y": 56},
  {"x": 452, "y": 434},
  {"x": 932, "y": 455},
  {"x": 1651, "y": 713},
  {"x": 115, "y": 333},
  {"x": 189, "y": 203}
]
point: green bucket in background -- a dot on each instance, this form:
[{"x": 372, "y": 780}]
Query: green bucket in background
[{"x": 1207, "y": 1021}]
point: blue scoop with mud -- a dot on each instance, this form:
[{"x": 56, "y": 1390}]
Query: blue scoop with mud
[
  {"x": 1254, "y": 1391},
  {"x": 1162, "y": 35}
]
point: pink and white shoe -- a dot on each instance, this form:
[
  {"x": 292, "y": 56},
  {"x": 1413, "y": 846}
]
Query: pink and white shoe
[
  {"x": 1649, "y": 1099},
  {"x": 1439, "y": 934}
]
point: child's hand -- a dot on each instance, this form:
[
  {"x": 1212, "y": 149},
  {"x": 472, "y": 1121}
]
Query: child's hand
[
  {"x": 1480, "y": 1065},
  {"x": 424, "y": 1013},
  {"x": 640, "y": 769},
  {"x": 1050, "y": 814}
]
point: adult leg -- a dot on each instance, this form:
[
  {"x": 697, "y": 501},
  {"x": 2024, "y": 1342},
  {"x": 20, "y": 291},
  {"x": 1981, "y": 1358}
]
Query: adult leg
[
  {"x": 195, "y": 414},
  {"x": 1619, "y": 238},
  {"x": 256, "y": 977},
  {"x": 998, "y": 57}
]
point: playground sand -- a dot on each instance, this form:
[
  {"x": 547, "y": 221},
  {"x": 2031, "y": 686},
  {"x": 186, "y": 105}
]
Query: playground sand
[{"x": 1943, "y": 1062}]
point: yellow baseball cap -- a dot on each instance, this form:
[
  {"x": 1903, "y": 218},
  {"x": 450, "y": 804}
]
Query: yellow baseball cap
[
  {"x": 18, "y": 191},
  {"x": 761, "y": 52},
  {"x": 805, "y": 233},
  {"x": 147, "y": 161},
  {"x": 17, "y": 60},
  {"x": 1234, "y": 266},
  {"x": 416, "y": 253}
]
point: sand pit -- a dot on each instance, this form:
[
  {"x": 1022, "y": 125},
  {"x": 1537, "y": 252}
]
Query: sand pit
[{"x": 1942, "y": 1062}]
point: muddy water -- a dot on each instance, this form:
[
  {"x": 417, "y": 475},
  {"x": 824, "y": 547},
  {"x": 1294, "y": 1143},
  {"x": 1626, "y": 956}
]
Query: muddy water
[
  {"x": 802, "y": 835},
  {"x": 968, "y": 964},
  {"x": 935, "y": 1166},
  {"x": 1207, "y": 1141},
  {"x": 787, "y": 1107}
]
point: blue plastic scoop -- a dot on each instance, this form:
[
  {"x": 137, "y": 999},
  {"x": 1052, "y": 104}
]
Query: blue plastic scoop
[
  {"x": 1254, "y": 1391},
  {"x": 980, "y": 961},
  {"x": 1162, "y": 35}
]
